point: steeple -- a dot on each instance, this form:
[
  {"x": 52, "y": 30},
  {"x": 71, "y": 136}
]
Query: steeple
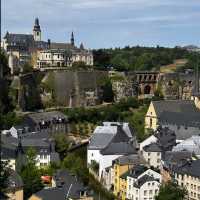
[
  {"x": 37, "y": 30},
  {"x": 72, "y": 38}
]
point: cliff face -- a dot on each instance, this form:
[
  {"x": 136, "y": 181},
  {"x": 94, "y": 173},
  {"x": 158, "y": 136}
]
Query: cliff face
[{"x": 76, "y": 88}]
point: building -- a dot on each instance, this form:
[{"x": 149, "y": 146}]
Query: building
[
  {"x": 29, "y": 48},
  {"x": 51, "y": 122},
  {"x": 152, "y": 153},
  {"x": 64, "y": 186},
  {"x": 188, "y": 176},
  {"x": 171, "y": 160},
  {"x": 14, "y": 150},
  {"x": 63, "y": 55},
  {"x": 180, "y": 116},
  {"x": 120, "y": 166},
  {"x": 142, "y": 183},
  {"x": 14, "y": 189},
  {"x": 109, "y": 142},
  {"x": 191, "y": 144}
]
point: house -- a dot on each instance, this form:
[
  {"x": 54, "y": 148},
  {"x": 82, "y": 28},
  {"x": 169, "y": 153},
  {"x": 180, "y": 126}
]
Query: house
[
  {"x": 152, "y": 153},
  {"x": 148, "y": 141},
  {"x": 51, "y": 122},
  {"x": 170, "y": 160},
  {"x": 14, "y": 190},
  {"x": 191, "y": 144},
  {"x": 14, "y": 148},
  {"x": 65, "y": 186},
  {"x": 188, "y": 176},
  {"x": 142, "y": 183},
  {"x": 109, "y": 142},
  {"x": 180, "y": 116},
  {"x": 120, "y": 166}
]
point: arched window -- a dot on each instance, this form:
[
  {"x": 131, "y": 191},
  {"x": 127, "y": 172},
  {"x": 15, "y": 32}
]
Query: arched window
[{"x": 147, "y": 89}]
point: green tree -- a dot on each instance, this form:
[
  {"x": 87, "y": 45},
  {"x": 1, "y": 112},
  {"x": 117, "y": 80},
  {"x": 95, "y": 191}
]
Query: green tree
[
  {"x": 62, "y": 144},
  {"x": 31, "y": 174},
  {"x": 171, "y": 191},
  {"x": 4, "y": 174}
]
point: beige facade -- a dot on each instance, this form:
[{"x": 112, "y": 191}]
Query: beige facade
[
  {"x": 151, "y": 120},
  {"x": 192, "y": 184}
]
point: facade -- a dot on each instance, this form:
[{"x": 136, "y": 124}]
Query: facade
[
  {"x": 152, "y": 154},
  {"x": 172, "y": 114},
  {"x": 63, "y": 55},
  {"x": 142, "y": 183},
  {"x": 188, "y": 176},
  {"x": 122, "y": 165}
]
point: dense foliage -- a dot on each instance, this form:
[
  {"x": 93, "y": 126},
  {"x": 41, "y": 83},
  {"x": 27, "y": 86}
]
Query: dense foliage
[
  {"x": 31, "y": 174},
  {"x": 171, "y": 191},
  {"x": 137, "y": 58}
]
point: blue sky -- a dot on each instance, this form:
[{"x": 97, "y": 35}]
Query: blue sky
[{"x": 108, "y": 23}]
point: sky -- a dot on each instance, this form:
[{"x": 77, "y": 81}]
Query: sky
[{"x": 107, "y": 23}]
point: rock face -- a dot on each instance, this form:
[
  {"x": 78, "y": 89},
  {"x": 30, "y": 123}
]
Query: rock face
[{"x": 77, "y": 88}]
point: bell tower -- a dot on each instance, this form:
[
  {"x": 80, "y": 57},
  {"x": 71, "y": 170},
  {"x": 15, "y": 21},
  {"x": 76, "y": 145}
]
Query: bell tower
[{"x": 37, "y": 31}]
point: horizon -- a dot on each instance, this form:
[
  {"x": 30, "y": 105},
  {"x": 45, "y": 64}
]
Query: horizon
[{"x": 173, "y": 23}]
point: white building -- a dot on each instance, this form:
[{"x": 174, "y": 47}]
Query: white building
[
  {"x": 142, "y": 183},
  {"x": 108, "y": 143},
  {"x": 152, "y": 154}
]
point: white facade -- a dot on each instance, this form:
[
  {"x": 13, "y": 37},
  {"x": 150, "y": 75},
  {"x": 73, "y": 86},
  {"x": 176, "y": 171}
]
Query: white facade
[
  {"x": 149, "y": 140},
  {"x": 43, "y": 160},
  {"x": 146, "y": 191},
  {"x": 153, "y": 158},
  {"x": 93, "y": 155}
]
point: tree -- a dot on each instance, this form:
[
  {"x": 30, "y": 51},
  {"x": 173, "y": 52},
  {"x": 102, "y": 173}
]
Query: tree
[
  {"x": 108, "y": 95},
  {"x": 62, "y": 144},
  {"x": 27, "y": 68},
  {"x": 171, "y": 191},
  {"x": 4, "y": 174},
  {"x": 31, "y": 174}
]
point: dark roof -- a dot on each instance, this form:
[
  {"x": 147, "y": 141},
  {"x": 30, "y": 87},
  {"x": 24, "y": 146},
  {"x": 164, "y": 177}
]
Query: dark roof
[
  {"x": 63, "y": 46},
  {"x": 144, "y": 179},
  {"x": 137, "y": 171},
  {"x": 180, "y": 112},
  {"x": 173, "y": 158},
  {"x": 191, "y": 168},
  {"x": 66, "y": 184},
  {"x": 129, "y": 159},
  {"x": 8, "y": 152},
  {"x": 119, "y": 145},
  {"x": 19, "y": 38},
  {"x": 153, "y": 147}
]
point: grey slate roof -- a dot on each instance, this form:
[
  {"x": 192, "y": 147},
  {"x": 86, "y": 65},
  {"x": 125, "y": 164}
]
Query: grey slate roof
[
  {"x": 153, "y": 147},
  {"x": 19, "y": 38},
  {"x": 137, "y": 171},
  {"x": 179, "y": 112},
  {"x": 191, "y": 168},
  {"x": 144, "y": 179},
  {"x": 129, "y": 159}
]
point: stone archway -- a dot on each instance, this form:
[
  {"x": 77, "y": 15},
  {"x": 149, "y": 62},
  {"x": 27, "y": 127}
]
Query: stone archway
[{"x": 147, "y": 89}]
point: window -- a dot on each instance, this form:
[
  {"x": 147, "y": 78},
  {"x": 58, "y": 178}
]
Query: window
[
  {"x": 151, "y": 122},
  {"x": 145, "y": 192},
  {"x": 45, "y": 156},
  {"x": 150, "y": 192},
  {"x": 149, "y": 154}
]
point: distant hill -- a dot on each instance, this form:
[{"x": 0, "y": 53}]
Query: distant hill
[{"x": 138, "y": 58}]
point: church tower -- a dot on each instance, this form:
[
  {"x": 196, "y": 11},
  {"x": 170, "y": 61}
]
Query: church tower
[
  {"x": 37, "y": 31},
  {"x": 72, "y": 39}
]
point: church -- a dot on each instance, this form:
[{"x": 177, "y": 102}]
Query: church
[{"x": 30, "y": 48}]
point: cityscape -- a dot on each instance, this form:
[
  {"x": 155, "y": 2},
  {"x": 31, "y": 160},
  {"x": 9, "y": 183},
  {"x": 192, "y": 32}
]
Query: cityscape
[{"x": 88, "y": 117}]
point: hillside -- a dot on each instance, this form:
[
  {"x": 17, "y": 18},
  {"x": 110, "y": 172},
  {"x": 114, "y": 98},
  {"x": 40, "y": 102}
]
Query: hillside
[{"x": 138, "y": 58}]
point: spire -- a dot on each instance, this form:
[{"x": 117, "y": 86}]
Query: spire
[
  {"x": 72, "y": 38},
  {"x": 37, "y": 25}
]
